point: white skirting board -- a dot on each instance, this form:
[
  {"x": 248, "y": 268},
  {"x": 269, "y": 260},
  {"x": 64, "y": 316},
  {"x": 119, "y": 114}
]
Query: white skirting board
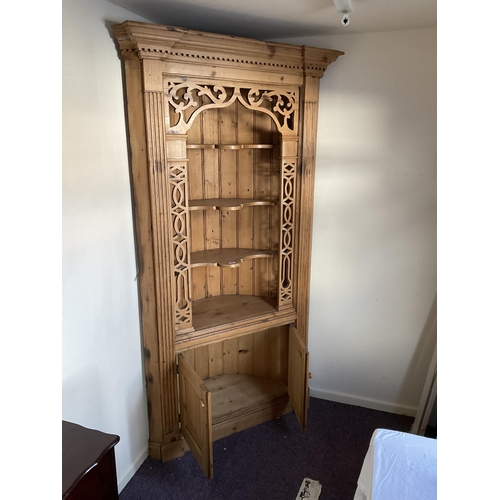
[
  {"x": 123, "y": 479},
  {"x": 373, "y": 404}
]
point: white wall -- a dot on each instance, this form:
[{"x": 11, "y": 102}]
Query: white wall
[
  {"x": 102, "y": 379},
  {"x": 373, "y": 283}
]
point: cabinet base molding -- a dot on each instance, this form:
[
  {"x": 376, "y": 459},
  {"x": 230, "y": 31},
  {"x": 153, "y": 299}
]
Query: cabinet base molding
[{"x": 167, "y": 452}]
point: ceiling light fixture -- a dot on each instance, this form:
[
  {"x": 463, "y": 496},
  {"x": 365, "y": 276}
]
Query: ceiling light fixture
[{"x": 344, "y": 7}]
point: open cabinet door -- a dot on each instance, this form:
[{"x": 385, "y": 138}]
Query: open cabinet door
[
  {"x": 298, "y": 373},
  {"x": 196, "y": 416}
]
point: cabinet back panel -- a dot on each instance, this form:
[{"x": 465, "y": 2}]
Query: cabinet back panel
[
  {"x": 201, "y": 360},
  {"x": 229, "y": 173},
  {"x": 263, "y": 354},
  {"x": 228, "y": 189},
  {"x": 216, "y": 359},
  {"x": 245, "y": 190}
]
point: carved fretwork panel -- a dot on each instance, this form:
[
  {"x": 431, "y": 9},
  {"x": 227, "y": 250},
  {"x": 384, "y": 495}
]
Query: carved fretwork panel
[
  {"x": 288, "y": 194},
  {"x": 179, "y": 213},
  {"x": 189, "y": 99}
]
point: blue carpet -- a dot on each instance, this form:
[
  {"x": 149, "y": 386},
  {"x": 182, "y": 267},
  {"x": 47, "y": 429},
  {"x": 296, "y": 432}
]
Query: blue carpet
[{"x": 270, "y": 460}]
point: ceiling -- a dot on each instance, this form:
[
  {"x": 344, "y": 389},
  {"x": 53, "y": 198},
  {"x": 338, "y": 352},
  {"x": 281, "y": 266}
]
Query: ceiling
[{"x": 275, "y": 19}]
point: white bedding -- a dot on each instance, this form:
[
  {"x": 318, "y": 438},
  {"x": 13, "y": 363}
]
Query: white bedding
[{"x": 398, "y": 466}]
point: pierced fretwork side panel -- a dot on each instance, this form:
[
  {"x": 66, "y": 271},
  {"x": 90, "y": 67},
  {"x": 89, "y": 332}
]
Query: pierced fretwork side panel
[
  {"x": 179, "y": 216},
  {"x": 288, "y": 180}
]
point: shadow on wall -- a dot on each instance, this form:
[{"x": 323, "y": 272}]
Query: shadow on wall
[
  {"x": 81, "y": 396},
  {"x": 413, "y": 383}
]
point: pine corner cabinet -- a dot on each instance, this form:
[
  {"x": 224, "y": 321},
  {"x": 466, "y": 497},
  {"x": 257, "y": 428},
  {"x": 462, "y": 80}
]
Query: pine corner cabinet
[{"x": 222, "y": 137}]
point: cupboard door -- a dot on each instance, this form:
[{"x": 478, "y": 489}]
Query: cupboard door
[
  {"x": 196, "y": 416},
  {"x": 298, "y": 372}
]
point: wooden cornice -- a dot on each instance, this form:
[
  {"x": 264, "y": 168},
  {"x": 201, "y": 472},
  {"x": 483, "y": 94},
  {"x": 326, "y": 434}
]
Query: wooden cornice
[{"x": 153, "y": 41}]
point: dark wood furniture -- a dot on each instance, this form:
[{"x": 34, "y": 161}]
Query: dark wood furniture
[{"x": 88, "y": 464}]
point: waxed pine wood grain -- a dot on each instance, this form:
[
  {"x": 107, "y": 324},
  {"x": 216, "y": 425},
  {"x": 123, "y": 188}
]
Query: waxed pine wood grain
[{"x": 212, "y": 117}]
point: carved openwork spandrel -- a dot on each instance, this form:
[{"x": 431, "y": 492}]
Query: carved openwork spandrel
[{"x": 186, "y": 98}]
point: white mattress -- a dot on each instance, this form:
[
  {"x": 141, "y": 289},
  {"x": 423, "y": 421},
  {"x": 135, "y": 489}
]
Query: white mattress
[{"x": 398, "y": 466}]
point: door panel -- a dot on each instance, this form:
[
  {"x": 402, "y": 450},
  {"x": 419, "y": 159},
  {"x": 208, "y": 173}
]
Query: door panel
[
  {"x": 298, "y": 373},
  {"x": 196, "y": 416}
]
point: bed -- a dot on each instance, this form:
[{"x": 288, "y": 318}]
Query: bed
[{"x": 398, "y": 466}]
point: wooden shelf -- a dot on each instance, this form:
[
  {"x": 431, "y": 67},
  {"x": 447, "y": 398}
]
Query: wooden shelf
[
  {"x": 229, "y": 316},
  {"x": 228, "y": 257},
  {"x": 228, "y": 203},
  {"x": 228, "y": 309},
  {"x": 242, "y": 401},
  {"x": 231, "y": 146}
]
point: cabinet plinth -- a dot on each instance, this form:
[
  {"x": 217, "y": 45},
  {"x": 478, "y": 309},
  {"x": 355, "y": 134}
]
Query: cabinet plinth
[{"x": 222, "y": 140}]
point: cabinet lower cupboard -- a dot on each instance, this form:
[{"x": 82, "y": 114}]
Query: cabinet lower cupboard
[
  {"x": 222, "y": 134},
  {"x": 234, "y": 384}
]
